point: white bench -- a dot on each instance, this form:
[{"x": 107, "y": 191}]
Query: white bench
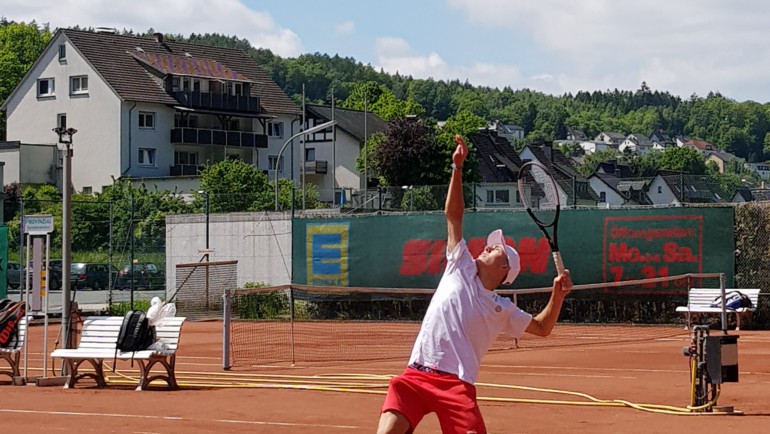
[
  {"x": 97, "y": 343},
  {"x": 699, "y": 300},
  {"x": 12, "y": 352}
]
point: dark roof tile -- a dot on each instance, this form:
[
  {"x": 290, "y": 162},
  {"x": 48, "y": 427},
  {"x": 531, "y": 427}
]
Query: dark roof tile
[{"x": 116, "y": 59}]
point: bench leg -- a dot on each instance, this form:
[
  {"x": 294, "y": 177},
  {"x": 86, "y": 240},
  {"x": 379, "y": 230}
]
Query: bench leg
[
  {"x": 737, "y": 321},
  {"x": 13, "y": 361},
  {"x": 98, "y": 375},
  {"x": 169, "y": 377}
]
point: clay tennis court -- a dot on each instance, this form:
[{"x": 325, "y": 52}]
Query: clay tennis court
[{"x": 646, "y": 368}]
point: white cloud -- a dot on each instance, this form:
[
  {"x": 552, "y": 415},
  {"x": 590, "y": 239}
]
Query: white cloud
[
  {"x": 396, "y": 55},
  {"x": 682, "y": 46},
  {"x": 345, "y": 28},
  {"x": 228, "y": 17}
]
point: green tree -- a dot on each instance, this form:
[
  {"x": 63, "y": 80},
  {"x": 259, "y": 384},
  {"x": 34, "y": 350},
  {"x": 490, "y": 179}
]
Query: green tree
[
  {"x": 235, "y": 186},
  {"x": 20, "y": 45},
  {"x": 685, "y": 159}
]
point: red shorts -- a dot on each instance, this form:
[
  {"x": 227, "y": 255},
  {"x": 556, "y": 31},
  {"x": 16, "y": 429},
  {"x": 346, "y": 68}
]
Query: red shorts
[{"x": 415, "y": 394}]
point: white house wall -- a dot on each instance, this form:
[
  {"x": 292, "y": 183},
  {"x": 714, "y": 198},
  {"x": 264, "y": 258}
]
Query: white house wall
[
  {"x": 260, "y": 242},
  {"x": 96, "y": 116},
  {"x": 665, "y": 197},
  {"x": 341, "y": 154},
  {"x": 612, "y": 198},
  {"x": 134, "y": 138}
]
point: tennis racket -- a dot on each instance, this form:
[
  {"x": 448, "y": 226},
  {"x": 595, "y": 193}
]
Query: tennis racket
[{"x": 540, "y": 196}]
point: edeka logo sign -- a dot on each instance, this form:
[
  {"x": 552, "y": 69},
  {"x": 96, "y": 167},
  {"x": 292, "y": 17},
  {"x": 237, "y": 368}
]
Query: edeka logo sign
[
  {"x": 420, "y": 257},
  {"x": 648, "y": 247},
  {"x": 328, "y": 247}
]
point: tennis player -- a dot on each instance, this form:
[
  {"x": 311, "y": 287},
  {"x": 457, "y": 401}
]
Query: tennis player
[{"x": 464, "y": 318}]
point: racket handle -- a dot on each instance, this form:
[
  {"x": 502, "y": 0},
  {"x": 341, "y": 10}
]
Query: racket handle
[{"x": 559, "y": 263}]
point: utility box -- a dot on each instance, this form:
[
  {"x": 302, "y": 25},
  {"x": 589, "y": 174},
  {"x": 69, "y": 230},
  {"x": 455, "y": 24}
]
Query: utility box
[{"x": 722, "y": 359}]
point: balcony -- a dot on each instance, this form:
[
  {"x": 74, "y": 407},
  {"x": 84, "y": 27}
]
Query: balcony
[
  {"x": 315, "y": 167},
  {"x": 186, "y": 169},
  {"x": 200, "y": 136},
  {"x": 217, "y": 101}
]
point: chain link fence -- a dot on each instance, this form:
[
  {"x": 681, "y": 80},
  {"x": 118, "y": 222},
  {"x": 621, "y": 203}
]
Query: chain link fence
[
  {"x": 752, "y": 250},
  {"x": 106, "y": 239}
]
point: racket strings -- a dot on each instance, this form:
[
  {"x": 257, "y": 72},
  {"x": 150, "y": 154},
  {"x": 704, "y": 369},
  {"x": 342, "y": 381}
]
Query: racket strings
[{"x": 538, "y": 191}]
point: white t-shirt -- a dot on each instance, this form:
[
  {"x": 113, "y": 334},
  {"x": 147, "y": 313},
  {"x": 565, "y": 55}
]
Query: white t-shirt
[{"x": 464, "y": 319}]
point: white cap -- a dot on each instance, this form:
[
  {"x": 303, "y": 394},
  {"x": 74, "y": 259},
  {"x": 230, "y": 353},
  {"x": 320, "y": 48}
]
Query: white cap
[{"x": 496, "y": 238}]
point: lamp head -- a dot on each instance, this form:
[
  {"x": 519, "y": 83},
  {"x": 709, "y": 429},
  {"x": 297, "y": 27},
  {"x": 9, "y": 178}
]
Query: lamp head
[{"x": 65, "y": 134}]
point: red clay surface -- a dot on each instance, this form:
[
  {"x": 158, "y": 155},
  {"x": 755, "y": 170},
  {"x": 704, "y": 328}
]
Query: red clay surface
[{"x": 648, "y": 372}]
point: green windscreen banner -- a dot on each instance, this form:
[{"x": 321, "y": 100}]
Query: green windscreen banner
[
  {"x": 408, "y": 251},
  {"x": 3, "y": 261}
]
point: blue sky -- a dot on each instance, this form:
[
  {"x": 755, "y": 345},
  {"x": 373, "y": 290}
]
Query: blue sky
[{"x": 554, "y": 46}]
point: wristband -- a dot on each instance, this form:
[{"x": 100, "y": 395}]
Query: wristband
[{"x": 454, "y": 167}]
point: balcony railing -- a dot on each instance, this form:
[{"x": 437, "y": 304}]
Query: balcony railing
[
  {"x": 217, "y": 101},
  {"x": 200, "y": 136},
  {"x": 186, "y": 169},
  {"x": 315, "y": 167}
]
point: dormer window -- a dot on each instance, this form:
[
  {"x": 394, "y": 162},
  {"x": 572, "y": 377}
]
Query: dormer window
[{"x": 62, "y": 53}]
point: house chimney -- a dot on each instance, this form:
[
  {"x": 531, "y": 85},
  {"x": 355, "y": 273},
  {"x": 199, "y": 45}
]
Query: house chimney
[{"x": 158, "y": 37}]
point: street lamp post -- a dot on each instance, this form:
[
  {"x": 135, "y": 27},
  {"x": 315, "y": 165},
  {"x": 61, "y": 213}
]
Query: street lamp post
[
  {"x": 65, "y": 138},
  {"x": 206, "y": 210},
  {"x": 316, "y": 128}
]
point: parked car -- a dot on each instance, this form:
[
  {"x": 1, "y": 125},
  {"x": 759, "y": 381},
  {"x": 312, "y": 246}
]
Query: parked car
[
  {"x": 13, "y": 274},
  {"x": 54, "y": 274},
  {"x": 146, "y": 276},
  {"x": 92, "y": 275}
]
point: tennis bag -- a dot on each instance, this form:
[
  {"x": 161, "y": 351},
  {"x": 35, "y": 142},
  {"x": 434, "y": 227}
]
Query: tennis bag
[
  {"x": 10, "y": 316},
  {"x": 733, "y": 300},
  {"x": 135, "y": 334}
]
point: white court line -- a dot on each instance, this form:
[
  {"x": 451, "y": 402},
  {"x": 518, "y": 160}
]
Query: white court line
[
  {"x": 532, "y": 374},
  {"x": 585, "y": 368},
  {"x": 175, "y": 418}
]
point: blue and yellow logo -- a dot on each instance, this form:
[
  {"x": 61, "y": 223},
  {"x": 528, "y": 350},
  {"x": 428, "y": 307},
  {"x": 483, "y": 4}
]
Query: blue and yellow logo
[{"x": 328, "y": 246}]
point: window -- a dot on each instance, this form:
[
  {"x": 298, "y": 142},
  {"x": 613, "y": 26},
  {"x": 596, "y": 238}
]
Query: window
[
  {"x": 61, "y": 120},
  {"x": 235, "y": 89},
  {"x": 498, "y": 196},
  {"x": 88, "y": 190},
  {"x": 147, "y": 120},
  {"x": 45, "y": 87},
  {"x": 603, "y": 196},
  {"x": 233, "y": 125},
  {"x": 185, "y": 157},
  {"x": 79, "y": 85},
  {"x": 275, "y": 129},
  {"x": 660, "y": 189},
  {"x": 272, "y": 163},
  {"x": 62, "y": 52},
  {"x": 310, "y": 154},
  {"x": 185, "y": 121},
  {"x": 146, "y": 156}
]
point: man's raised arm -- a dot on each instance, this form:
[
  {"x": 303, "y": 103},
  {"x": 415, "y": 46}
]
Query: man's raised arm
[{"x": 455, "y": 203}]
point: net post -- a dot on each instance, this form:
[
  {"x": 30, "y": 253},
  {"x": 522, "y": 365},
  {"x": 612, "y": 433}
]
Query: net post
[
  {"x": 722, "y": 285},
  {"x": 226, "y": 330},
  {"x": 291, "y": 323}
]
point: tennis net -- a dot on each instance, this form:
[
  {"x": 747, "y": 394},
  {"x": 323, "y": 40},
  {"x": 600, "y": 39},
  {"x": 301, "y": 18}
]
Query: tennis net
[{"x": 298, "y": 324}]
